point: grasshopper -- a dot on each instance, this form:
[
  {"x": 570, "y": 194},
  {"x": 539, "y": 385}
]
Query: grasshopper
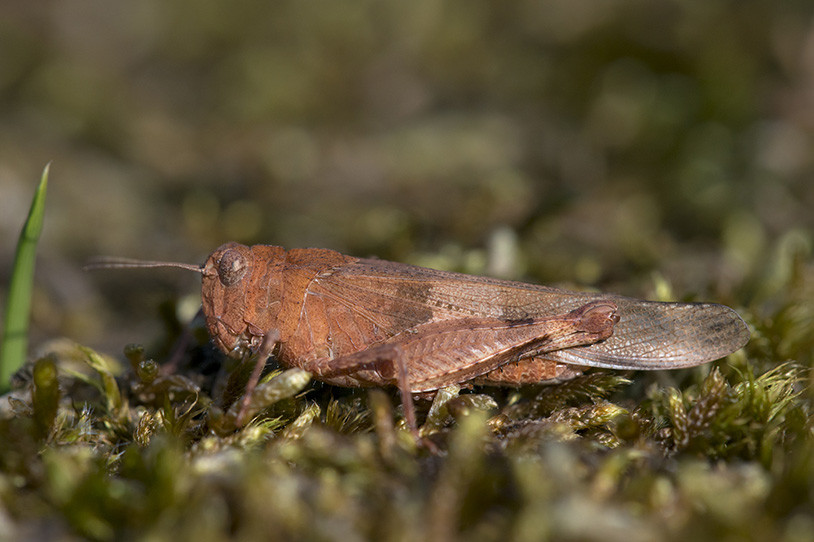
[{"x": 359, "y": 322}]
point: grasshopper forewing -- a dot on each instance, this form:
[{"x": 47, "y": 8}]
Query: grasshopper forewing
[{"x": 366, "y": 322}]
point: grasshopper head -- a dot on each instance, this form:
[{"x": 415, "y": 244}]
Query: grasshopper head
[{"x": 240, "y": 293}]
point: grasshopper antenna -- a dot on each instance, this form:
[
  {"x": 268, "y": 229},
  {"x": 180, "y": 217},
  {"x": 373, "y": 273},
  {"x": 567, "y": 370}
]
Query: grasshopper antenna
[
  {"x": 129, "y": 263},
  {"x": 107, "y": 262}
]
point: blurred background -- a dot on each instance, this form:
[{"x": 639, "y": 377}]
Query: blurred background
[{"x": 653, "y": 148}]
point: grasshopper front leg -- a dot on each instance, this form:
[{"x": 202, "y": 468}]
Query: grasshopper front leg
[
  {"x": 438, "y": 354},
  {"x": 263, "y": 353}
]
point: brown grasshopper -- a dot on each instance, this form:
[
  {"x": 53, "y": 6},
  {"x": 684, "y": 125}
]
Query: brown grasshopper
[{"x": 358, "y": 322}]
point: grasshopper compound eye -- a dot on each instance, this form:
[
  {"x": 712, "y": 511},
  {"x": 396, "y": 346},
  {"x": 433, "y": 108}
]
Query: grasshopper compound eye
[{"x": 232, "y": 267}]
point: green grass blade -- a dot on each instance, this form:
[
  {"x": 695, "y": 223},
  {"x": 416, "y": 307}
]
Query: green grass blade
[{"x": 13, "y": 349}]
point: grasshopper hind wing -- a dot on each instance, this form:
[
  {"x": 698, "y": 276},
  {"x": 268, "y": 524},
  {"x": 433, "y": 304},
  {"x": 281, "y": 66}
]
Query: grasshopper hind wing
[{"x": 655, "y": 335}]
